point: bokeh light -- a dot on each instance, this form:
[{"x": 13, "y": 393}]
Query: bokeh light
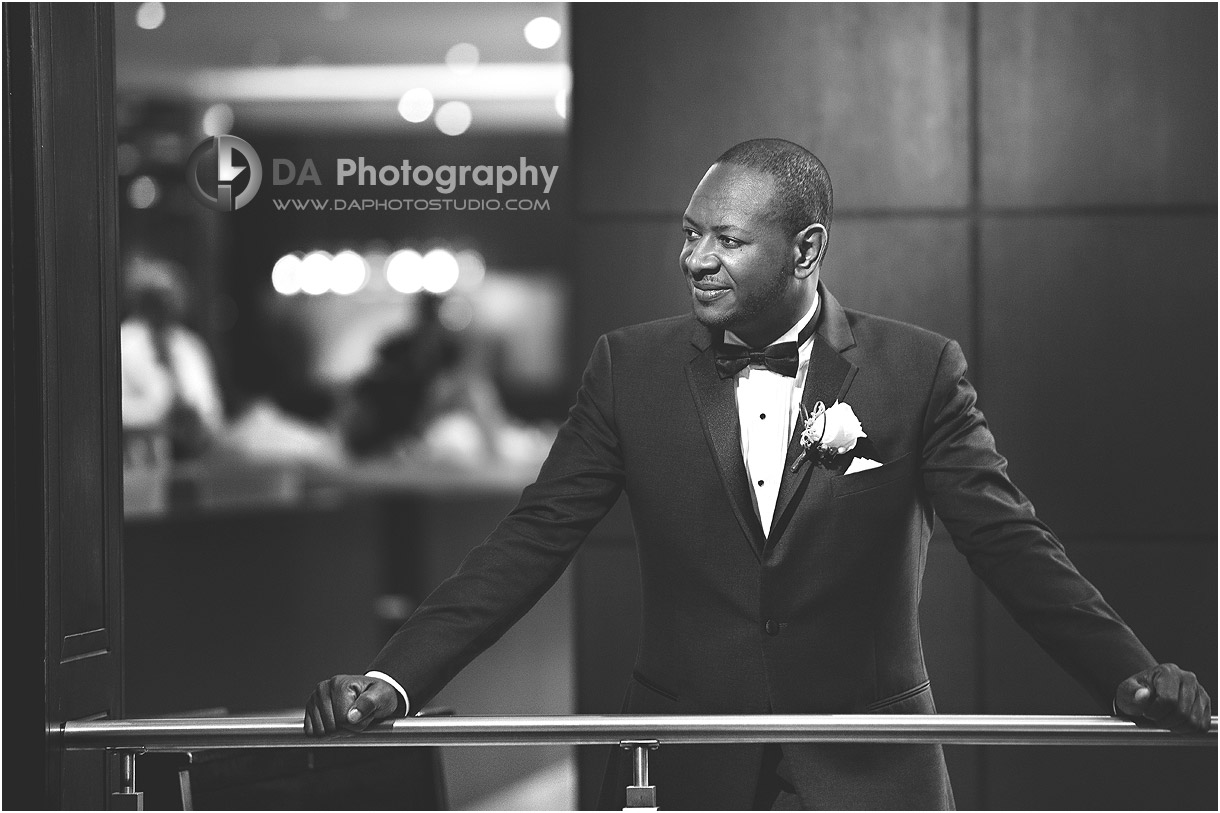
[
  {"x": 286, "y": 275},
  {"x": 471, "y": 267},
  {"x": 543, "y": 32},
  {"x": 315, "y": 273},
  {"x": 143, "y": 192},
  {"x": 405, "y": 271},
  {"x": 218, "y": 120},
  {"x": 150, "y": 15},
  {"x": 416, "y": 105},
  {"x": 440, "y": 271},
  {"x": 453, "y": 118},
  {"x": 348, "y": 272},
  {"x": 462, "y": 58}
]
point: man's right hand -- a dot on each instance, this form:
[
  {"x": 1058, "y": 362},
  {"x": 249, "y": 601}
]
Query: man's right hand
[{"x": 348, "y": 703}]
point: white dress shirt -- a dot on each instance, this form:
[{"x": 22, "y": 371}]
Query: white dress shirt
[
  {"x": 401, "y": 691},
  {"x": 768, "y": 405},
  {"x": 767, "y": 408}
]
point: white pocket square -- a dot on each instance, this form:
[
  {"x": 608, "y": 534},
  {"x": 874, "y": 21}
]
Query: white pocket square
[{"x": 860, "y": 464}]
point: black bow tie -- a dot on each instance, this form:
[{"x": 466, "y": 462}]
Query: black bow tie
[{"x": 781, "y": 358}]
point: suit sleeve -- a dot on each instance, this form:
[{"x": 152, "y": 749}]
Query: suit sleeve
[
  {"x": 1015, "y": 554},
  {"x": 502, "y": 578}
]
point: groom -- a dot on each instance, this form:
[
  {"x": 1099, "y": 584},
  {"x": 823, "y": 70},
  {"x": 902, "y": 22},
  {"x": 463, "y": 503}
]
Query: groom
[{"x": 783, "y": 457}]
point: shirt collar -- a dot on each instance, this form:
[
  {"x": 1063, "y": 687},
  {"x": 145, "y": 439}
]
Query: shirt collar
[{"x": 792, "y": 333}]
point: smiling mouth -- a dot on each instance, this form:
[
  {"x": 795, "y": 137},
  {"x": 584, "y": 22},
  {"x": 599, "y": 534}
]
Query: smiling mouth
[{"x": 709, "y": 294}]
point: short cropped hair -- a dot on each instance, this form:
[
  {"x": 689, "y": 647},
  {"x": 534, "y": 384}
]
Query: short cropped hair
[{"x": 803, "y": 193}]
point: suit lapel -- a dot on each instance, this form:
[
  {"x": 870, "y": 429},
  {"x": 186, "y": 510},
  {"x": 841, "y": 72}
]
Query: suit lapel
[
  {"x": 717, "y": 404},
  {"x": 830, "y": 376}
]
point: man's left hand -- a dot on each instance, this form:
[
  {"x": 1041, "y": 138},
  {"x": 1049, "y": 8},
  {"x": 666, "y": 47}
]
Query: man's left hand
[{"x": 1168, "y": 696}]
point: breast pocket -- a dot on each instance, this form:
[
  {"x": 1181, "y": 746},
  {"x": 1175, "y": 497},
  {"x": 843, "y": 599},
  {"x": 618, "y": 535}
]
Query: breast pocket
[{"x": 846, "y": 484}]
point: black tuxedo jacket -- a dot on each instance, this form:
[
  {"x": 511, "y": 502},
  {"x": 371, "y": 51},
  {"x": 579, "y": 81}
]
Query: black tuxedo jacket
[{"x": 816, "y": 614}]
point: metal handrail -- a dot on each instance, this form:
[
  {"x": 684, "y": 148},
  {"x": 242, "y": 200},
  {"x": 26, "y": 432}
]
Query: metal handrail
[{"x": 187, "y": 734}]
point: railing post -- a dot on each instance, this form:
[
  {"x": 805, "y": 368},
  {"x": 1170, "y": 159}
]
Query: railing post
[
  {"x": 128, "y": 798},
  {"x": 640, "y": 794}
]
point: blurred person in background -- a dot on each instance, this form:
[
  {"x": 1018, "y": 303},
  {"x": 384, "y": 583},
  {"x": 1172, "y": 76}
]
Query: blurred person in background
[
  {"x": 168, "y": 380},
  {"x": 429, "y": 390}
]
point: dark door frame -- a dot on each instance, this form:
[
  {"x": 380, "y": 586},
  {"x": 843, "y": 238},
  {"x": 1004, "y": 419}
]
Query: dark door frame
[{"x": 62, "y": 400}]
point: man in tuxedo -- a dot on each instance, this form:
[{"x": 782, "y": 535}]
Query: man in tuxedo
[{"x": 783, "y": 457}]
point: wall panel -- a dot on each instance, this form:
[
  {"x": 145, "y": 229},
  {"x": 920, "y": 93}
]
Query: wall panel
[
  {"x": 914, "y": 269},
  {"x": 1098, "y": 104},
  {"x": 878, "y": 91},
  {"x": 628, "y": 273},
  {"x": 1099, "y": 338}
]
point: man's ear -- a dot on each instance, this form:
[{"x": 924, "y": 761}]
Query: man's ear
[{"x": 810, "y": 248}]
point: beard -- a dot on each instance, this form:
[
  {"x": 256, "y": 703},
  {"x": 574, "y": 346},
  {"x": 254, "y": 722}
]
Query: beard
[{"x": 764, "y": 311}]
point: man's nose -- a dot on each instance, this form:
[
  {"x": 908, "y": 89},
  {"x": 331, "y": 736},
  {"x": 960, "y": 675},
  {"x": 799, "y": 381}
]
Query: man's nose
[{"x": 702, "y": 261}]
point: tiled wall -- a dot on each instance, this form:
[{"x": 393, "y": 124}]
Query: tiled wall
[{"x": 1037, "y": 181}]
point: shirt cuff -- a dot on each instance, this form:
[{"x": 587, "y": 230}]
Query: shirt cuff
[{"x": 402, "y": 693}]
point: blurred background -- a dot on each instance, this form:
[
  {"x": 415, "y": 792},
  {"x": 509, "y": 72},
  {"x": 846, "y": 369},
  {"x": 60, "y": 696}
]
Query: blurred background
[{"x": 324, "y": 410}]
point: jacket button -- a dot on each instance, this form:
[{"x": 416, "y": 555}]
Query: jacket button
[{"x": 771, "y": 627}]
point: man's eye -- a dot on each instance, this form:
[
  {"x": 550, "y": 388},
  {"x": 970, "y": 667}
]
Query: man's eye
[
  {"x": 729, "y": 242},
  {"x": 690, "y": 234}
]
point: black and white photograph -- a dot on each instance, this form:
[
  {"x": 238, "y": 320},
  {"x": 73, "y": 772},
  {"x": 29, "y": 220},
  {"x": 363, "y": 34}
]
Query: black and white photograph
[{"x": 610, "y": 406}]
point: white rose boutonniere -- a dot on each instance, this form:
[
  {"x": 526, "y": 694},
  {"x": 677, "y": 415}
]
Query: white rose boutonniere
[{"x": 828, "y": 433}]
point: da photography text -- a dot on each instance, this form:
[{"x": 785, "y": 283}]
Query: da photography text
[{"x": 446, "y": 179}]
